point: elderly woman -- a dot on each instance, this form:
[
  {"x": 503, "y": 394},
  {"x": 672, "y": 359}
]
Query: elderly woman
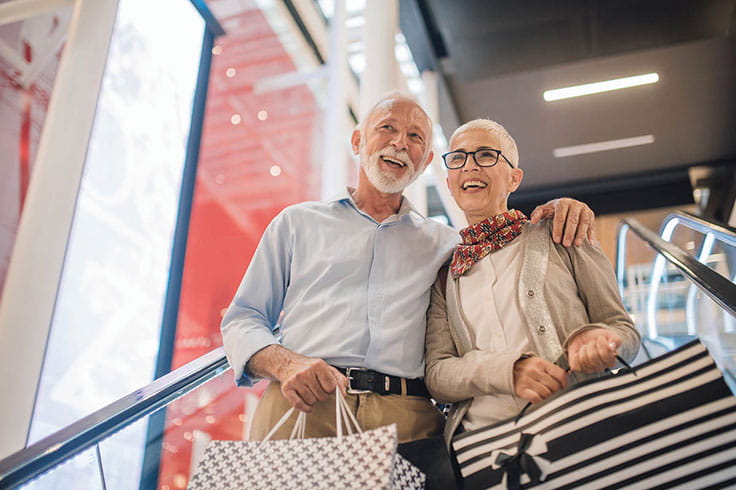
[{"x": 516, "y": 311}]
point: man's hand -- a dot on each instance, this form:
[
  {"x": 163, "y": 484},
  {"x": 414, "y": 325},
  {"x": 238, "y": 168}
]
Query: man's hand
[
  {"x": 304, "y": 380},
  {"x": 593, "y": 350},
  {"x": 536, "y": 379},
  {"x": 573, "y": 220}
]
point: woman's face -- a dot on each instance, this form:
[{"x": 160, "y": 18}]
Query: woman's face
[{"x": 481, "y": 192}]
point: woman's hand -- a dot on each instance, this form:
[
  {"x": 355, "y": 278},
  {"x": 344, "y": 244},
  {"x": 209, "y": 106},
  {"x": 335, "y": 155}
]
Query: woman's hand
[
  {"x": 593, "y": 350},
  {"x": 536, "y": 379}
]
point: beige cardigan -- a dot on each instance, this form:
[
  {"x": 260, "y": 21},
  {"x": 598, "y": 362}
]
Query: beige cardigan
[{"x": 561, "y": 292}]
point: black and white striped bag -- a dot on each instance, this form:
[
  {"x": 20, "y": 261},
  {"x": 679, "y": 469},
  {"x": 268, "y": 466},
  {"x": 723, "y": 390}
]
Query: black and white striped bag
[{"x": 670, "y": 422}]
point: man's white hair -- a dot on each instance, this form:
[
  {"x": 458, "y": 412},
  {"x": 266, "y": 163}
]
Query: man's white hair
[
  {"x": 508, "y": 145},
  {"x": 397, "y": 95}
]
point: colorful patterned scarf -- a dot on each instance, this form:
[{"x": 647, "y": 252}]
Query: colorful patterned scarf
[{"x": 485, "y": 237}]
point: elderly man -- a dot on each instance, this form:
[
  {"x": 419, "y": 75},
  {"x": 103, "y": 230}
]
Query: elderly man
[{"x": 337, "y": 292}]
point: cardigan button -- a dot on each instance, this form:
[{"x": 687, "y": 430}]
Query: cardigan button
[
  {"x": 541, "y": 329},
  {"x": 530, "y": 293}
]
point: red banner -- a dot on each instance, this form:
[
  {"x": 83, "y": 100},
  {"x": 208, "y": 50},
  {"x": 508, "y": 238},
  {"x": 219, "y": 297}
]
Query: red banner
[{"x": 255, "y": 159}]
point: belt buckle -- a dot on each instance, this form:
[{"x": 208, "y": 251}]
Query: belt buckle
[{"x": 348, "y": 373}]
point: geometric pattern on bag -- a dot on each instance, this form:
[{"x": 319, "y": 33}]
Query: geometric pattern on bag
[
  {"x": 405, "y": 475},
  {"x": 358, "y": 460},
  {"x": 670, "y": 421},
  {"x": 361, "y": 460}
]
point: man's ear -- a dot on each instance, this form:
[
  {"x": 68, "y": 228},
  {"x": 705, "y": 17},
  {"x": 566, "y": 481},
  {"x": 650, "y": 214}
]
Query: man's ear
[
  {"x": 355, "y": 141},
  {"x": 430, "y": 156},
  {"x": 517, "y": 175}
]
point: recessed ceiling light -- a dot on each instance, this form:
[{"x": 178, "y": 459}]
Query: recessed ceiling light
[
  {"x": 569, "y": 151},
  {"x": 597, "y": 87}
]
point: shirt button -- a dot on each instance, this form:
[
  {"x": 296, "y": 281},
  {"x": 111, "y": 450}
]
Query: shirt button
[
  {"x": 530, "y": 293},
  {"x": 541, "y": 329}
]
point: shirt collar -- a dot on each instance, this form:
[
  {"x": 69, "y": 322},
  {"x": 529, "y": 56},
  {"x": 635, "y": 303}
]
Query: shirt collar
[{"x": 405, "y": 208}]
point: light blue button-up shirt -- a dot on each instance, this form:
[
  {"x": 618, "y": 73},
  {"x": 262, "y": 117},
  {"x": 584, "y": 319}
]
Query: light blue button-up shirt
[{"x": 352, "y": 291}]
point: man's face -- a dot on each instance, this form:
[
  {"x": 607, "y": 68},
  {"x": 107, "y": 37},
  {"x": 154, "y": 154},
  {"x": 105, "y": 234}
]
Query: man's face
[
  {"x": 394, "y": 146},
  {"x": 481, "y": 192}
]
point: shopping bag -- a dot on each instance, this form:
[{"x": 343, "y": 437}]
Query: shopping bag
[
  {"x": 670, "y": 421},
  {"x": 354, "y": 459},
  {"x": 430, "y": 455}
]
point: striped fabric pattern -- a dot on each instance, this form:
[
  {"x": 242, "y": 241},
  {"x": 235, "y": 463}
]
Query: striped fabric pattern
[{"x": 669, "y": 423}]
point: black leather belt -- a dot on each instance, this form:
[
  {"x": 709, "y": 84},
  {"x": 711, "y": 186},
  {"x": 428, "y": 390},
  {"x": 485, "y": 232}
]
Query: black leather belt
[{"x": 362, "y": 380}]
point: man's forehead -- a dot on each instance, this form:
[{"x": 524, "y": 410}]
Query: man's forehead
[{"x": 394, "y": 108}]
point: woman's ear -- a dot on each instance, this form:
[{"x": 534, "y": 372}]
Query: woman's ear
[{"x": 517, "y": 175}]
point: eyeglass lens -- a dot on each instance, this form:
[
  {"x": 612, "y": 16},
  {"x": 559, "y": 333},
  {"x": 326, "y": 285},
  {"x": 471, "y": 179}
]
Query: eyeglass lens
[{"x": 484, "y": 158}]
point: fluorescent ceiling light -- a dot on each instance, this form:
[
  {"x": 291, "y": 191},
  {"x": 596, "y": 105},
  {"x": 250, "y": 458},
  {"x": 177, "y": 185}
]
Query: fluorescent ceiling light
[
  {"x": 569, "y": 151},
  {"x": 594, "y": 88}
]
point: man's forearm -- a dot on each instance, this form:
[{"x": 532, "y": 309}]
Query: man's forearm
[{"x": 272, "y": 362}]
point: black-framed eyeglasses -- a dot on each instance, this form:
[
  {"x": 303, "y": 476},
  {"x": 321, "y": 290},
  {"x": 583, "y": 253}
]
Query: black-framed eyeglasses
[{"x": 485, "y": 157}]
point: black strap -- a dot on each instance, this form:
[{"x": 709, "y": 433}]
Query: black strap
[{"x": 383, "y": 384}]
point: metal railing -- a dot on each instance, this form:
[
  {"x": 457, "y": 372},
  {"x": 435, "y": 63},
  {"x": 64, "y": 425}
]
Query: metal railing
[
  {"x": 717, "y": 287},
  {"x": 32, "y": 461}
]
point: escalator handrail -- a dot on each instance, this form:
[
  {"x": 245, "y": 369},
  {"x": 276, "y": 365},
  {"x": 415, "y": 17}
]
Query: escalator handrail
[
  {"x": 703, "y": 225},
  {"x": 718, "y": 288},
  {"x": 39, "y": 457}
]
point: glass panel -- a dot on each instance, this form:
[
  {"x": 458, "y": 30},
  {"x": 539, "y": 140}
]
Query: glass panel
[
  {"x": 711, "y": 251},
  {"x": 106, "y": 326},
  {"x": 81, "y": 471},
  {"x": 29, "y": 58},
  {"x": 670, "y": 310},
  {"x": 717, "y": 329},
  {"x": 215, "y": 411}
]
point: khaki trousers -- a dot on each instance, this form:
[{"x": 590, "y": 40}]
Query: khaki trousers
[{"x": 415, "y": 417}]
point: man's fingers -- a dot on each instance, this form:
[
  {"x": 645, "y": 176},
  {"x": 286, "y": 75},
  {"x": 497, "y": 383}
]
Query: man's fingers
[
  {"x": 591, "y": 234},
  {"x": 309, "y": 394},
  {"x": 571, "y": 224},
  {"x": 329, "y": 379},
  {"x": 558, "y": 223},
  {"x": 585, "y": 225},
  {"x": 541, "y": 212},
  {"x": 295, "y": 400}
]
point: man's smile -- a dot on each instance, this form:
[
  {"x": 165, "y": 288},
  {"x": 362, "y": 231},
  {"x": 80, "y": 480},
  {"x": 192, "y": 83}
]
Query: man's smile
[{"x": 393, "y": 162}]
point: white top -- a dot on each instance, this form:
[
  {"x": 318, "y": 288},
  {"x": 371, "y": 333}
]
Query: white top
[{"x": 488, "y": 294}]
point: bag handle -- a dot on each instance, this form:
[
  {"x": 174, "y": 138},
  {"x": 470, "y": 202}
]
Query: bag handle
[{"x": 344, "y": 420}]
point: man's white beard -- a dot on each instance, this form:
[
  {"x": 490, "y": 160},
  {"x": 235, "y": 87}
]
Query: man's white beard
[{"x": 385, "y": 181}]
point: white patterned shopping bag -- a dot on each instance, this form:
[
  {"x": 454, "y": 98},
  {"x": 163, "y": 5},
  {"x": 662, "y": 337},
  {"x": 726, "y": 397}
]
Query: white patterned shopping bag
[{"x": 354, "y": 460}]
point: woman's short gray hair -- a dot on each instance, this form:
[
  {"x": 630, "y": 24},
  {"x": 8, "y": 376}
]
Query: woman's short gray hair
[{"x": 508, "y": 145}]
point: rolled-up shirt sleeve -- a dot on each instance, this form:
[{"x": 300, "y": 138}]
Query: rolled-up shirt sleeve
[{"x": 248, "y": 324}]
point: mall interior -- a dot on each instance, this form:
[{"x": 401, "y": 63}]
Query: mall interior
[{"x": 145, "y": 146}]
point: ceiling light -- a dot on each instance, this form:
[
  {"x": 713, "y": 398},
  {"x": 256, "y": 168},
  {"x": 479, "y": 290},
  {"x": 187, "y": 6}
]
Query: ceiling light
[
  {"x": 569, "y": 151},
  {"x": 594, "y": 88}
]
